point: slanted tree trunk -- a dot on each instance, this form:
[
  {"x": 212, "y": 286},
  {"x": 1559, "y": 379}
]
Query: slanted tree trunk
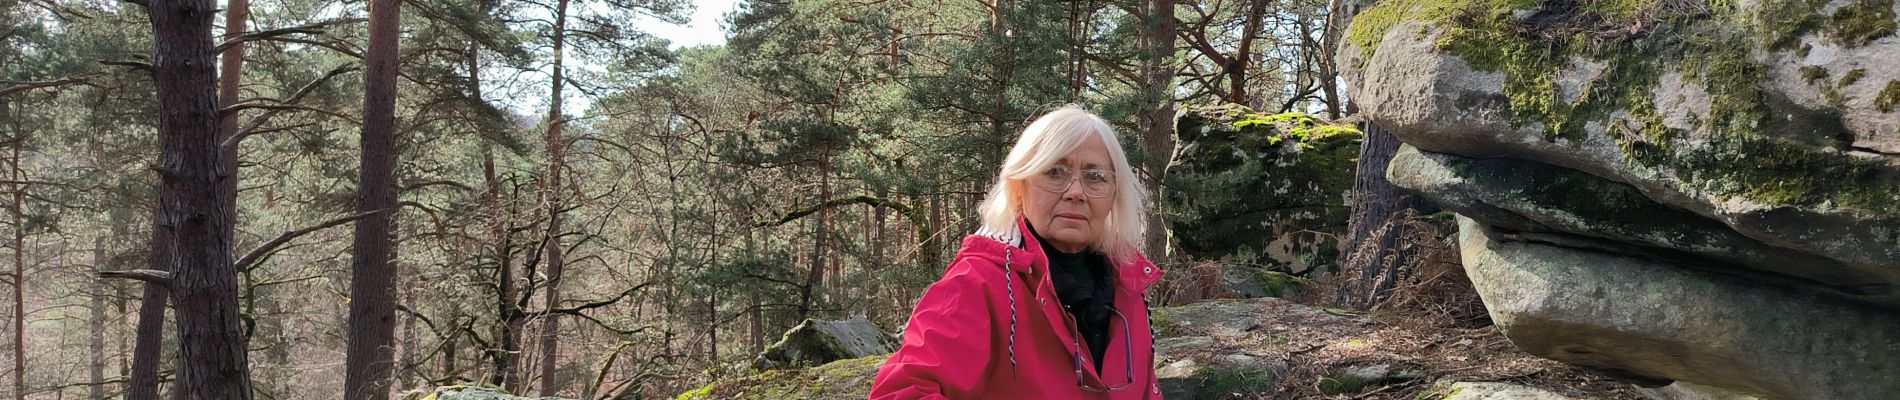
[
  {"x": 372, "y": 320},
  {"x": 213, "y": 363},
  {"x": 556, "y": 147},
  {"x": 142, "y": 384}
]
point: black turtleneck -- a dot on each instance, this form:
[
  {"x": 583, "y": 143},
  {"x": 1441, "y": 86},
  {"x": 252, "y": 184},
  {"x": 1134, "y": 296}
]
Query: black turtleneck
[{"x": 1086, "y": 289}]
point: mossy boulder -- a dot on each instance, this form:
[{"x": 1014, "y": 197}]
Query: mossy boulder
[
  {"x": 1236, "y": 376},
  {"x": 1654, "y": 321},
  {"x": 816, "y": 342},
  {"x": 1544, "y": 202},
  {"x": 1259, "y": 188},
  {"x": 1249, "y": 281},
  {"x": 1764, "y": 116},
  {"x": 1700, "y": 191},
  {"x": 842, "y": 379}
]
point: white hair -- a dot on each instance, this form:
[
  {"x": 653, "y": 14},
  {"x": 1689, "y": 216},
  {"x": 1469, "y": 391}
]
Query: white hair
[{"x": 1043, "y": 143}]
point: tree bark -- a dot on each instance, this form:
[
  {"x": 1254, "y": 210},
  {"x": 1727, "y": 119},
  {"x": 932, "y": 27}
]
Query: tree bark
[
  {"x": 213, "y": 363},
  {"x": 556, "y": 144},
  {"x": 19, "y": 265},
  {"x": 372, "y": 276},
  {"x": 1158, "y": 142},
  {"x": 96, "y": 373},
  {"x": 142, "y": 384},
  {"x": 1369, "y": 252},
  {"x": 231, "y": 66}
]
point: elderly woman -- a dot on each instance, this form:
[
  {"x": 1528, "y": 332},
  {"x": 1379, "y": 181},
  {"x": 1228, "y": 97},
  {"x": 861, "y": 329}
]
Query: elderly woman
[{"x": 1045, "y": 301}]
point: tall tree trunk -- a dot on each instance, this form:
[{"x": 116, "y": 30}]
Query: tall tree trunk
[
  {"x": 1158, "y": 141},
  {"x": 213, "y": 363},
  {"x": 96, "y": 373},
  {"x": 373, "y": 272},
  {"x": 1369, "y": 252},
  {"x": 1338, "y": 12},
  {"x": 142, "y": 384},
  {"x": 504, "y": 372},
  {"x": 819, "y": 264},
  {"x": 372, "y": 276},
  {"x": 557, "y": 146},
  {"x": 407, "y": 373},
  {"x": 19, "y": 265},
  {"x": 237, "y": 14}
]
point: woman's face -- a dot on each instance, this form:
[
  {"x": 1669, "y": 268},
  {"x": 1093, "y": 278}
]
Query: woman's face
[{"x": 1071, "y": 220}]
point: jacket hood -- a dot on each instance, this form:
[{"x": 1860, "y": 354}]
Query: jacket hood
[{"x": 1025, "y": 256}]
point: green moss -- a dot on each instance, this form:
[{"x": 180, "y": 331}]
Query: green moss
[
  {"x": 1888, "y": 98},
  {"x": 701, "y": 393},
  {"x": 849, "y": 378},
  {"x": 1369, "y": 27},
  {"x": 1774, "y": 171},
  {"x": 1217, "y": 382},
  {"x": 1278, "y": 284},
  {"x": 1813, "y": 73},
  {"x": 1751, "y": 152},
  {"x": 1162, "y": 322},
  {"x": 1852, "y": 76},
  {"x": 1731, "y": 77},
  {"x": 1339, "y": 383},
  {"x": 1860, "y": 22},
  {"x": 1781, "y": 23}
]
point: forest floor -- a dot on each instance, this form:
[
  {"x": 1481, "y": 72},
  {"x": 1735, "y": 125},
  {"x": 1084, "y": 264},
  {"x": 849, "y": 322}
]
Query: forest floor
[
  {"x": 1309, "y": 350},
  {"x": 1270, "y": 348}
]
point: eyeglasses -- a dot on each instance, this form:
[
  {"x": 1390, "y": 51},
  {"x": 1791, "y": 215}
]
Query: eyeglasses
[
  {"x": 1128, "y": 360},
  {"x": 1095, "y": 182}
]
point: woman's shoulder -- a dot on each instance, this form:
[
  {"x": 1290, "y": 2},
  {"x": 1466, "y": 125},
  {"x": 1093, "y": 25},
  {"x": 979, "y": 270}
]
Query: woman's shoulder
[{"x": 982, "y": 258}]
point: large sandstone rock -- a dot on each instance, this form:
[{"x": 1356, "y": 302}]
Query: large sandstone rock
[
  {"x": 1764, "y": 116},
  {"x": 1699, "y": 191},
  {"x": 1259, "y": 188},
  {"x": 817, "y": 342},
  {"x": 1537, "y": 199},
  {"x": 1648, "y": 318}
]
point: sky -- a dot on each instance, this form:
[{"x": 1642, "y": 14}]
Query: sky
[{"x": 704, "y": 28}]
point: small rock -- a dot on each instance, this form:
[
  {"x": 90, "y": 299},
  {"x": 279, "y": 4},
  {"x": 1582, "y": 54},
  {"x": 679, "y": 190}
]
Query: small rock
[
  {"x": 1353, "y": 379},
  {"x": 1690, "y": 391},
  {"x": 817, "y": 342},
  {"x": 1495, "y": 391}
]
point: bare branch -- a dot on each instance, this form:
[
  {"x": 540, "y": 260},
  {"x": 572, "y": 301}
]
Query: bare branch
[
  {"x": 233, "y": 141},
  {"x": 162, "y": 278},
  {"x": 138, "y": 65},
  {"x": 860, "y": 199},
  {"x": 312, "y": 29},
  {"x": 252, "y": 256},
  {"x": 25, "y": 86}
]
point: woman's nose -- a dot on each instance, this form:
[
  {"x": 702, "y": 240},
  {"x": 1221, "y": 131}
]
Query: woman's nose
[{"x": 1074, "y": 191}]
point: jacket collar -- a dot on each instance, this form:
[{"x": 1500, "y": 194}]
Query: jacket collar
[{"x": 1025, "y": 256}]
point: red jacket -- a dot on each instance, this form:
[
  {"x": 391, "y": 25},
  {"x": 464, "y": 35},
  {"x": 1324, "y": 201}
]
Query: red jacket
[{"x": 981, "y": 333}]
